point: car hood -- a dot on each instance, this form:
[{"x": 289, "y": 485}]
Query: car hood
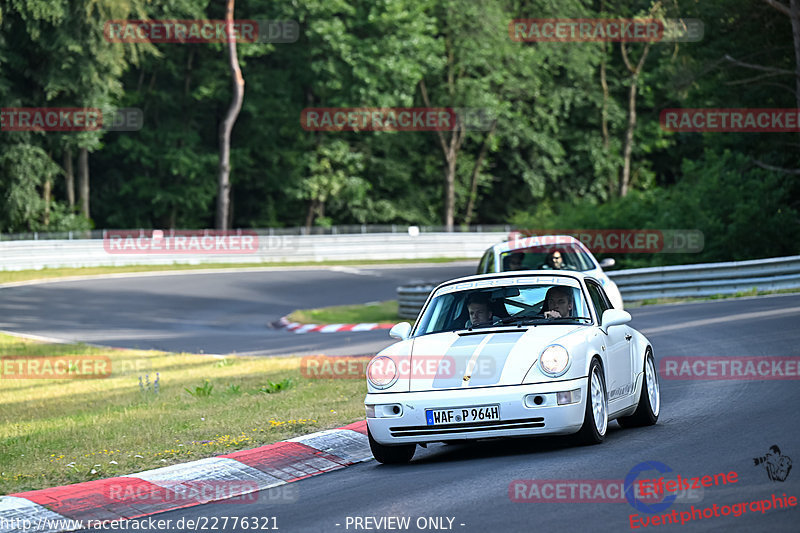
[{"x": 496, "y": 357}]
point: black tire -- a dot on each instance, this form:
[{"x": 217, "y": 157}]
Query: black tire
[
  {"x": 646, "y": 413},
  {"x": 391, "y": 455},
  {"x": 590, "y": 433}
]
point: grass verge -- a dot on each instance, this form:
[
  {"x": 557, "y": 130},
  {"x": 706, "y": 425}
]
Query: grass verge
[
  {"x": 60, "y": 431},
  {"x": 349, "y": 314},
  {"x": 49, "y": 273}
]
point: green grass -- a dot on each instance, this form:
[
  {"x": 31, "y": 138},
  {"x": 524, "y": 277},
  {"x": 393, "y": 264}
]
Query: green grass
[
  {"x": 349, "y": 314},
  {"x": 48, "y": 273},
  {"x": 61, "y": 431},
  {"x": 740, "y": 294}
]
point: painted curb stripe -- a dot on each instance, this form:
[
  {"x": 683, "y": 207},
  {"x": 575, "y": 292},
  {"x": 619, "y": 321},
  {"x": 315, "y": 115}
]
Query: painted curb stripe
[
  {"x": 352, "y": 446},
  {"x": 96, "y": 500},
  {"x": 288, "y": 461},
  {"x": 183, "y": 485},
  {"x": 224, "y": 472},
  {"x": 13, "y": 508},
  {"x": 297, "y": 327},
  {"x": 360, "y": 426}
]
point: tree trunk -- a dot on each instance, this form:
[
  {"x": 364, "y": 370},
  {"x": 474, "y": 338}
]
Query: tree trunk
[
  {"x": 83, "y": 181},
  {"x": 625, "y": 179},
  {"x": 46, "y": 196},
  {"x": 473, "y": 188},
  {"x": 69, "y": 177},
  {"x": 793, "y": 12},
  {"x": 225, "y": 128},
  {"x": 450, "y": 150},
  {"x": 310, "y": 215},
  {"x": 604, "y": 110},
  {"x": 794, "y": 16},
  {"x": 626, "y": 153},
  {"x": 449, "y": 191}
]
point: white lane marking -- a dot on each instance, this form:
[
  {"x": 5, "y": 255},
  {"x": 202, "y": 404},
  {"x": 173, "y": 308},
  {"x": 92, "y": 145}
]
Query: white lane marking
[{"x": 354, "y": 271}]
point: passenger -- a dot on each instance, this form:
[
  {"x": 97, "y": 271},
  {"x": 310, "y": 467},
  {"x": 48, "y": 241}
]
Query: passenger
[
  {"x": 555, "y": 261},
  {"x": 558, "y": 302},
  {"x": 515, "y": 261}
]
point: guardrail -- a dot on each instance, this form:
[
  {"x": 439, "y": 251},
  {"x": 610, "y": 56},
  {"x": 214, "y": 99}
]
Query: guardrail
[
  {"x": 35, "y": 255},
  {"x": 708, "y": 278},
  {"x": 411, "y": 298},
  {"x": 296, "y": 230},
  {"x": 680, "y": 281}
]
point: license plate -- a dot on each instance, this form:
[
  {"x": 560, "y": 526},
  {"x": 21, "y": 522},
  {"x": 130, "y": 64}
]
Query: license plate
[{"x": 459, "y": 415}]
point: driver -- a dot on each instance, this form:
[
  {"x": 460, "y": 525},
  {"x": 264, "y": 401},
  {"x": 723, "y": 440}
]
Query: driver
[
  {"x": 479, "y": 309},
  {"x": 559, "y": 302}
]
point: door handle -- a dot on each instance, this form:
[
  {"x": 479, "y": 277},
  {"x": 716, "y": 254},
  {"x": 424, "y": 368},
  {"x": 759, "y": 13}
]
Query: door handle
[{"x": 628, "y": 337}]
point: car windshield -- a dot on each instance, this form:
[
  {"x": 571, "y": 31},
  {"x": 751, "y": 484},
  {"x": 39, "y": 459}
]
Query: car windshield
[
  {"x": 520, "y": 302},
  {"x": 572, "y": 256}
]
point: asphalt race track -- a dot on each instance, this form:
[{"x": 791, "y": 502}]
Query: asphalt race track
[
  {"x": 706, "y": 427},
  {"x": 220, "y": 313}
]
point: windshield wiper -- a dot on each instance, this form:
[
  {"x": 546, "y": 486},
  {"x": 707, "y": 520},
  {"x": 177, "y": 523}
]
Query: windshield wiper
[
  {"x": 520, "y": 320},
  {"x": 570, "y": 318}
]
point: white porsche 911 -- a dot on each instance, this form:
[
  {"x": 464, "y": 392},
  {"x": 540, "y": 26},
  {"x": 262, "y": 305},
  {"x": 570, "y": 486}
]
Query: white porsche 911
[{"x": 510, "y": 354}]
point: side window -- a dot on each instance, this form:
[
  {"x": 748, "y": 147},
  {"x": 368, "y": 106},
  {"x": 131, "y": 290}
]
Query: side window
[
  {"x": 485, "y": 262},
  {"x": 606, "y": 299},
  {"x": 490, "y": 261},
  {"x": 599, "y": 299}
]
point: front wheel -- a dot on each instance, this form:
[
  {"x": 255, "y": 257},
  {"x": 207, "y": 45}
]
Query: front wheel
[
  {"x": 391, "y": 454},
  {"x": 646, "y": 413},
  {"x": 595, "y": 419}
]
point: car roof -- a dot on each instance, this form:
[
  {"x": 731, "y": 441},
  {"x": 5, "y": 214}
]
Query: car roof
[{"x": 539, "y": 240}]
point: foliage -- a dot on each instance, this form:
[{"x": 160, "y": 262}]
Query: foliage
[
  {"x": 549, "y": 150},
  {"x": 202, "y": 391},
  {"x": 743, "y": 211},
  {"x": 271, "y": 387}
]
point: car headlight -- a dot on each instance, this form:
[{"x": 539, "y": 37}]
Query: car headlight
[
  {"x": 382, "y": 372},
  {"x": 554, "y": 360}
]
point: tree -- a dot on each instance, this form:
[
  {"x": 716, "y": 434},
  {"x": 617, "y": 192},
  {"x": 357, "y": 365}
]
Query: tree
[{"x": 223, "y": 194}]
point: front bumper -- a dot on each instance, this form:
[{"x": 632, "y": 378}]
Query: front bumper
[{"x": 409, "y": 425}]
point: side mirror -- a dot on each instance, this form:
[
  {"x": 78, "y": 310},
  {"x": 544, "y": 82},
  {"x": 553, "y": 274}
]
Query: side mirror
[
  {"x": 608, "y": 262},
  {"x": 614, "y": 317},
  {"x": 402, "y": 330}
]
